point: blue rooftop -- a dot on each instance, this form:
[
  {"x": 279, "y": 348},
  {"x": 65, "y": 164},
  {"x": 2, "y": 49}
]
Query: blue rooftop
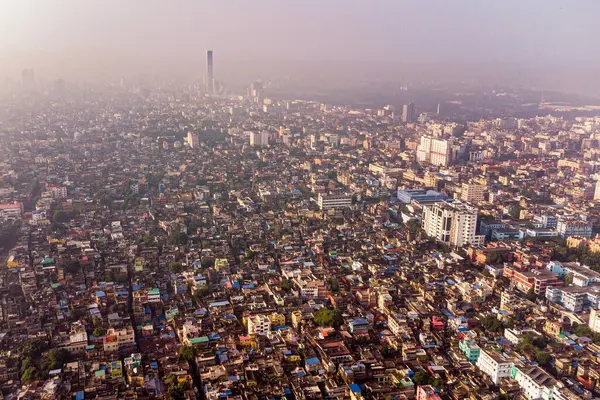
[{"x": 355, "y": 388}]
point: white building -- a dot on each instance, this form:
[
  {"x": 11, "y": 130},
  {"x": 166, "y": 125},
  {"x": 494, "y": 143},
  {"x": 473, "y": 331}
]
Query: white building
[
  {"x": 435, "y": 151},
  {"x": 11, "y": 211},
  {"x": 535, "y": 383},
  {"x": 192, "y": 140},
  {"x": 495, "y": 365},
  {"x": 594, "y": 322},
  {"x": 259, "y": 325},
  {"x": 452, "y": 223},
  {"x": 259, "y": 139},
  {"x": 327, "y": 202}
]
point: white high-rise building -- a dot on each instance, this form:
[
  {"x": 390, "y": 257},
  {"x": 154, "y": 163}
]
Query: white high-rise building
[
  {"x": 452, "y": 223},
  {"x": 192, "y": 140},
  {"x": 435, "y": 151},
  {"x": 259, "y": 139}
]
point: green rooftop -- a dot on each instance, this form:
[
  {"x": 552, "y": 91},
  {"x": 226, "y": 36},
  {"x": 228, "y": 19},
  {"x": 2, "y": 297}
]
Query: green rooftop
[{"x": 201, "y": 339}]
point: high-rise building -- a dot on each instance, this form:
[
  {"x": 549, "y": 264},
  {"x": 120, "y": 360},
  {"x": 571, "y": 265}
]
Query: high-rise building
[
  {"x": 408, "y": 113},
  {"x": 28, "y": 78},
  {"x": 192, "y": 140},
  {"x": 473, "y": 193},
  {"x": 454, "y": 224},
  {"x": 259, "y": 139},
  {"x": 435, "y": 151},
  {"x": 210, "y": 79}
]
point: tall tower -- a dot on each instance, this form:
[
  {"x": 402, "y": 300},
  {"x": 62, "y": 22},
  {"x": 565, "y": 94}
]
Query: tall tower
[
  {"x": 210, "y": 80},
  {"x": 408, "y": 113}
]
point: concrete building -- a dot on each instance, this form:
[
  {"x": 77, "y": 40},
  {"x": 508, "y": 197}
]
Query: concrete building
[
  {"x": 327, "y": 202},
  {"x": 573, "y": 227},
  {"x": 408, "y": 113},
  {"x": 473, "y": 193},
  {"x": 259, "y": 325},
  {"x": 575, "y": 298},
  {"x": 259, "y": 139},
  {"x": 594, "y": 322},
  {"x": 535, "y": 383},
  {"x": 470, "y": 350},
  {"x": 538, "y": 280},
  {"x": 408, "y": 195},
  {"x": 11, "y": 211},
  {"x": 495, "y": 365},
  {"x": 435, "y": 151},
  {"x": 426, "y": 392},
  {"x": 452, "y": 223},
  {"x": 192, "y": 140}
]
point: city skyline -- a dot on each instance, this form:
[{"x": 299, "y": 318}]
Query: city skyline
[{"x": 541, "y": 44}]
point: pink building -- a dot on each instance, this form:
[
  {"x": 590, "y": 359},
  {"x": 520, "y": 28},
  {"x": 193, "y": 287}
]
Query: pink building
[{"x": 426, "y": 392}]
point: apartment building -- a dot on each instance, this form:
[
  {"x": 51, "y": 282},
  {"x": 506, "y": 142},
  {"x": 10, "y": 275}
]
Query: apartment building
[{"x": 452, "y": 223}]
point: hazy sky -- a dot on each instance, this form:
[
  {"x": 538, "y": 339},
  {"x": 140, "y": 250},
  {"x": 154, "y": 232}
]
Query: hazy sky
[{"x": 552, "y": 41}]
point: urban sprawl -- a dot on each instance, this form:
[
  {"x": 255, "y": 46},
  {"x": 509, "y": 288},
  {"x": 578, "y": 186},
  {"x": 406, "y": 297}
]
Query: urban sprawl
[{"x": 172, "y": 245}]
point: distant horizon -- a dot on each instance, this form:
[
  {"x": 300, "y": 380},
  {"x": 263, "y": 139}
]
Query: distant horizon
[{"x": 536, "y": 44}]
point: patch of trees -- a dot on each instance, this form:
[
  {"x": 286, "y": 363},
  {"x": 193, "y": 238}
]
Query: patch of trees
[{"x": 327, "y": 317}]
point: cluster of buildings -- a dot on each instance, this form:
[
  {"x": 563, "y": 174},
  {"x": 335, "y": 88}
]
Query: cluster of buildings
[{"x": 162, "y": 245}]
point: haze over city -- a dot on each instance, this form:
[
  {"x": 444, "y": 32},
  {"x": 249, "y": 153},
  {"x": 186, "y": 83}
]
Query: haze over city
[
  {"x": 543, "y": 44},
  {"x": 299, "y": 200}
]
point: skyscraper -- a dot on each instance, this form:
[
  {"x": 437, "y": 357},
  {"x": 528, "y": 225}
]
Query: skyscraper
[
  {"x": 210, "y": 79},
  {"x": 408, "y": 113}
]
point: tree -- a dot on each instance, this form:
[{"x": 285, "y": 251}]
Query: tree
[
  {"x": 421, "y": 377},
  {"x": 492, "y": 324},
  {"x": 61, "y": 217},
  {"x": 98, "y": 332},
  {"x": 333, "y": 284},
  {"x": 543, "y": 358},
  {"x": 58, "y": 357},
  {"x": 202, "y": 291},
  {"x": 531, "y": 296},
  {"x": 30, "y": 374},
  {"x": 177, "y": 389},
  {"x": 180, "y": 238},
  {"x": 187, "y": 353},
  {"x": 327, "y": 317},
  {"x": 175, "y": 267},
  {"x": 413, "y": 226},
  {"x": 568, "y": 279},
  {"x": 285, "y": 285},
  {"x": 515, "y": 211}
]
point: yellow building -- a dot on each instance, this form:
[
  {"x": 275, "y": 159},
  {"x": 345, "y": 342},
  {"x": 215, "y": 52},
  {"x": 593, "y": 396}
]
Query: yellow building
[
  {"x": 552, "y": 328},
  {"x": 277, "y": 319}
]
